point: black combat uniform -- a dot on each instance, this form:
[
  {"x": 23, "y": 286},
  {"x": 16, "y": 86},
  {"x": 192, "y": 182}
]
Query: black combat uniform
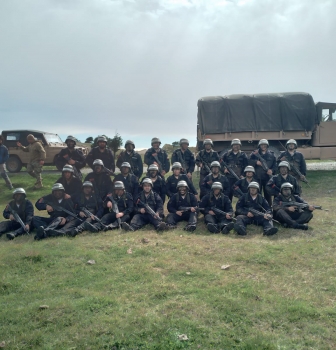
[
  {"x": 135, "y": 161},
  {"x": 210, "y": 179},
  {"x": 75, "y": 154},
  {"x": 130, "y": 182},
  {"x": 107, "y": 157},
  {"x": 172, "y": 182},
  {"x": 102, "y": 184},
  {"x": 204, "y": 157},
  {"x": 159, "y": 186},
  {"x": 274, "y": 184},
  {"x": 186, "y": 158},
  {"x": 162, "y": 160},
  {"x": 74, "y": 186},
  {"x": 241, "y": 186}
]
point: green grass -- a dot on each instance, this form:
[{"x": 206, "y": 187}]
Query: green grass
[{"x": 279, "y": 292}]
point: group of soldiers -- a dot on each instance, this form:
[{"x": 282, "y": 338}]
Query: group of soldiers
[{"x": 128, "y": 202}]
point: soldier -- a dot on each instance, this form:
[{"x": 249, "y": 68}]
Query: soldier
[
  {"x": 102, "y": 184},
  {"x": 71, "y": 156},
  {"x": 24, "y": 208},
  {"x": 274, "y": 184},
  {"x": 185, "y": 157},
  {"x": 71, "y": 183},
  {"x": 37, "y": 156},
  {"x": 216, "y": 199},
  {"x": 173, "y": 180},
  {"x": 158, "y": 156},
  {"x": 103, "y": 153},
  {"x": 124, "y": 202},
  {"x": 131, "y": 157},
  {"x": 215, "y": 176},
  {"x": 241, "y": 186},
  {"x": 54, "y": 204},
  {"x": 129, "y": 180},
  {"x": 291, "y": 216},
  {"x": 183, "y": 198},
  {"x": 237, "y": 161},
  {"x": 159, "y": 184},
  {"x": 147, "y": 201},
  {"x": 295, "y": 159},
  {"x": 265, "y": 165},
  {"x": 204, "y": 159},
  {"x": 247, "y": 207},
  {"x": 3, "y": 159}
]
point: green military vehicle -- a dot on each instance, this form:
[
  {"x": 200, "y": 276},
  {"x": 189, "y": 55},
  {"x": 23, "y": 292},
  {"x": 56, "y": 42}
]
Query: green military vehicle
[{"x": 17, "y": 158}]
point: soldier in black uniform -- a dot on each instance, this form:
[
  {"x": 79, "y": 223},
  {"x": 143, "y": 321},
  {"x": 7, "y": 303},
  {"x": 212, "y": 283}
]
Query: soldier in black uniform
[
  {"x": 131, "y": 157},
  {"x": 71, "y": 156},
  {"x": 204, "y": 159},
  {"x": 291, "y": 216},
  {"x": 217, "y": 222},
  {"x": 102, "y": 184},
  {"x": 183, "y": 198},
  {"x": 71, "y": 183},
  {"x": 142, "y": 216},
  {"x": 129, "y": 180},
  {"x": 24, "y": 208},
  {"x": 263, "y": 171},
  {"x": 103, "y": 153},
  {"x": 4, "y": 155},
  {"x": 295, "y": 159},
  {"x": 158, "y": 156},
  {"x": 185, "y": 157},
  {"x": 241, "y": 186},
  {"x": 58, "y": 218},
  {"x": 236, "y": 160},
  {"x": 253, "y": 200},
  {"x": 274, "y": 184},
  {"x": 159, "y": 184},
  {"x": 215, "y": 176},
  {"x": 173, "y": 180}
]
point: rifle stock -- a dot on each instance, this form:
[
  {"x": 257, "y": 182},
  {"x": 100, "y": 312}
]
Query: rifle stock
[{"x": 18, "y": 219}]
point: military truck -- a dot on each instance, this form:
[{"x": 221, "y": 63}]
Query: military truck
[
  {"x": 276, "y": 117},
  {"x": 17, "y": 158}
]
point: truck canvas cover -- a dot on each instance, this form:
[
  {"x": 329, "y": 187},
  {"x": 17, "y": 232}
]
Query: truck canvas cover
[{"x": 291, "y": 111}]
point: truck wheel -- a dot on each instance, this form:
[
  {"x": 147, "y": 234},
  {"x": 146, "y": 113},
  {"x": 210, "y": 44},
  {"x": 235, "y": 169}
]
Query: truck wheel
[
  {"x": 13, "y": 164},
  {"x": 275, "y": 150}
]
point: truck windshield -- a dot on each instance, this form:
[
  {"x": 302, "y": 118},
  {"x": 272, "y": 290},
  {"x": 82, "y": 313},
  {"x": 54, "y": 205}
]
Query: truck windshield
[{"x": 52, "y": 138}]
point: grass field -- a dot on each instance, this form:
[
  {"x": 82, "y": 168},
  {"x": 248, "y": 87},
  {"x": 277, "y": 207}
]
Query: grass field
[{"x": 279, "y": 292}]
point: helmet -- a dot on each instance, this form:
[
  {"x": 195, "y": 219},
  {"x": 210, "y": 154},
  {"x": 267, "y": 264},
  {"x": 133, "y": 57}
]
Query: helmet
[
  {"x": 125, "y": 165},
  {"x": 87, "y": 184},
  {"x": 207, "y": 142},
  {"x": 182, "y": 184},
  {"x": 217, "y": 185},
  {"x": 176, "y": 165},
  {"x": 147, "y": 181},
  {"x": 119, "y": 185},
  {"x": 68, "y": 167},
  {"x": 70, "y": 138},
  {"x": 214, "y": 163},
  {"x": 253, "y": 184},
  {"x": 57, "y": 186},
  {"x": 101, "y": 139},
  {"x": 291, "y": 141},
  {"x": 284, "y": 163},
  {"x": 129, "y": 142},
  {"x": 286, "y": 185},
  {"x": 249, "y": 168},
  {"x": 184, "y": 141},
  {"x": 153, "y": 167},
  {"x": 263, "y": 142},
  {"x": 19, "y": 190},
  {"x": 155, "y": 140},
  {"x": 98, "y": 162},
  {"x": 235, "y": 142}
]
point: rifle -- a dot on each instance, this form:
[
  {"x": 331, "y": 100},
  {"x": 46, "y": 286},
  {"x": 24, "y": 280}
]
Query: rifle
[
  {"x": 237, "y": 192},
  {"x": 231, "y": 171},
  {"x": 189, "y": 209},
  {"x": 205, "y": 165},
  {"x": 221, "y": 212},
  {"x": 77, "y": 173},
  {"x": 107, "y": 170},
  {"x": 149, "y": 210},
  {"x": 297, "y": 172},
  {"x": 158, "y": 162},
  {"x": 259, "y": 213},
  {"x": 59, "y": 208},
  {"x": 300, "y": 207},
  {"x": 116, "y": 210},
  {"x": 262, "y": 161},
  {"x": 182, "y": 161},
  {"x": 18, "y": 219},
  {"x": 88, "y": 214}
]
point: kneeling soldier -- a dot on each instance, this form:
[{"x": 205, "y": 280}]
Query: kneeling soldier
[
  {"x": 20, "y": 212},
  {"x": 218, "y": 210},
  {"x": 215, "y": 176},
  {"x": 241, "y": 186},
  {"x": 252, "y": 208},
  {"x": 70, "y": 182},
  {"x": 159, "y": 184},
  {"x": 289, "y": 214},
  {"x": 148, "y": 209},
  {"x": 182, "y": 206},
  {"x": 130, "y": 181}
]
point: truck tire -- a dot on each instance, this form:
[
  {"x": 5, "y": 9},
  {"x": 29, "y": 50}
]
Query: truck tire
[
  {"x": 13, "y": 164},
  {"x": 275, "y": 150}
]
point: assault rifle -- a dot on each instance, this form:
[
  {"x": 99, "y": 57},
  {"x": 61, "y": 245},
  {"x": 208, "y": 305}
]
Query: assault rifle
[
  {"x": 259, "y": 213},
  {"x": 149, "y": 210},
  {"x": 296, "y": 170},
  {"x": 77, "y": 173},
  {"x": 237, "y": 192},
  {"x": 115, "y": 209},
  {"x": 59, "y": 208},
  {"x": 107, "y": 170},
  {"x": 18, "y": 219},
  {"x": 189, "y": 209},
  {"x": 205, "y": 165},
  {"x": 299, "y": 206},
  {"x": 221, "y": 212},
  {"x": 88, "y": 214},
  {"x": 262, "y": 161},
  {"x": 231, "y": 171},
  {"x": 182, "y": 161}
]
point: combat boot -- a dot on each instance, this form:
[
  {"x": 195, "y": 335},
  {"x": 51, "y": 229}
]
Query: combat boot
[
  {"x": 40, "y": 233},
  {"x": 161, "y": 226},
  {"x": 271, "y": 231},
  {"x": 303, "y": 227},
  {"x": 10, "y": 235},
  {"x": 38, "y": 185},
  {"x": 90, "y": 227},
  {"x": 127, "y": 227},
  {"x": 212, "y": 228},
  {"x": 190, "y": 228},
  {"x": 241, "y": 231},
  {"x": 227, "y": 228}
]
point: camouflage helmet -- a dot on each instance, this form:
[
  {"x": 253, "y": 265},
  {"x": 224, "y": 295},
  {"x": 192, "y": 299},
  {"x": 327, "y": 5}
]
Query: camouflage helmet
[
  {"x": 284, "y": 163},
  {"x": 217, "y": 185},
  {"x": 254, "y": 184},
  {"x": 182, "y": 183},
  {"x": 153, "y": 167},
  {"x": 129, "y": 142},
  {"x": 176, "y": 165},
  {"x": 147, "y": 181},
  {"x": 263, "y": 142},
  {"x": 101, "y": 138},
  {"x": 235, "y": 142},
  {"x": 286, "y": 185},
  {"x": 249, "y": 168},
  {"x": 70, "y": 138},
  {"x": 119, "y": 185},
  {"x": 125, "y": 165},
  {"x": 182, "y": 141},
  {"x": 19, "y": 190},
  {"x": 98, "y": 162},
  {"x": 155, "y": 140},
  {"x": 87, "y": 184},
  {"x": 214, "y": 163},
  {"x": 207, "y": 142},
  {"x": 291, "y": 141},
  {"x": 57, "y": 186},
  {"x": 69, "y": 168}
]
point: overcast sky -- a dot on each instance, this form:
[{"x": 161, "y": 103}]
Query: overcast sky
[{"x": 89, "y": 67}]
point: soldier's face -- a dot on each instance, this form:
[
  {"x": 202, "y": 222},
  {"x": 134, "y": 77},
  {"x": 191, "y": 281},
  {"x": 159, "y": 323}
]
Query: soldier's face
[
  {"x": 30, "y": 140},
  {"x": 184, "y": 146},
  {"x": 235, "y": 148},
  {"x": 291, "y": 146},
  {"x": 182, "y": 190},
  {"x": 98, "y": 168},
  {"x": 253, "y": 191},
  {"x": 147, "y": 187},
  {"x": 156, "y": 145},
  {"x": 129, "y": 147},
  {"x": 286, "y": 192},
  {"x": 216, "y": 191},
  {"x": 119, "y": 193},
  {"x": 19, "y": 197},
  {"x": 102, "y": 144},
  {"x": 125, "y": 170},
  {"x": 67, "y": 175},
  {"x": 215, "y": 170},
  {"x": 176, "y": 171},
  {"x": 87, "y": 190},
  {"x": 58, "y": 194},
  {"x": 153, "y": 173},
  {"x": 283, "y": 170},
  {"x": 249, "y": 174},
  {"x": 207, "y": 146},
  {"x": 71, "y": 144},
  {"x": 263, "y": 147}
]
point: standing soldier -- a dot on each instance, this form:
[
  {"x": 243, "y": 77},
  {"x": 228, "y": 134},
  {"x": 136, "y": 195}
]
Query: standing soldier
[
  {"x": 129, "y": 180},
  {"x": 237, "y": 161},
  {"x": 158, "y": 156},
  {"x": 159, "y": 184},
  {"x": 131, "y": 157},
  {"x": 24, "y": 209},
  {"x": 265, "y": 165},
  {"x": 185, "y": 157},
  {"x": 296, "y": 160},
  {"x": 103, "y": 153},
  {"x": 37, "y": 156},
  {"x": 241, "y": 186},
  {"x": 71, "y": 183},
  {"x": 3, "y": 159},
  {"x": 204, "y": 159},
  {"x": 71, "y": 156}
]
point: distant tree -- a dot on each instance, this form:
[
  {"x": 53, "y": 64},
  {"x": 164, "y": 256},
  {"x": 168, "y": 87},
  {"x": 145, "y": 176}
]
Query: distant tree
[
  {"x": 176, "y": 144},
  {"x": 89, "y": 140}
]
